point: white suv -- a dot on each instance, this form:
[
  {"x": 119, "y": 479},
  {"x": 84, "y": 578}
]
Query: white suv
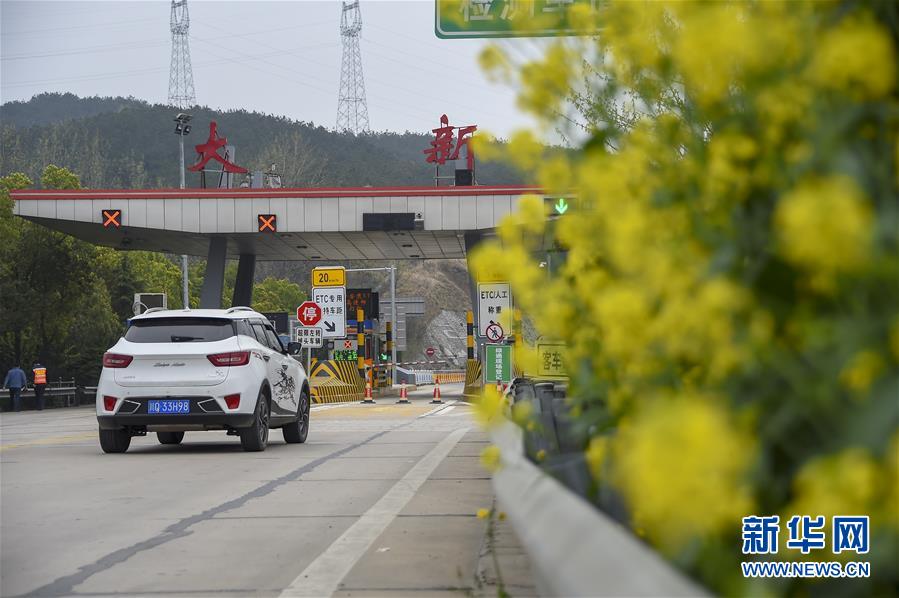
[{"x": 204, "y": 369}]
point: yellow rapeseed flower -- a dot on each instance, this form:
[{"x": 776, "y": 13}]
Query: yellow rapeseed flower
[
  {"x": 845, "y": 483},
  {"x": 555, "y": 175},
  {"x": 857, "y": 58},
  {"x": 483, "y": 513},
  {"x": 861, "y": 371},
  {"x": 596, "y": 455},
  {"x": 491, "y": 458},
  {"x": 521, "y": 413},
  {"x": 890, "y": 474},
  {"x": 683, "y": 465},
  {"x": 489, "y": 407},
  {"x": 623, "y": 313},
  {"x": 894, "y": 339},
  {"x": 524, "y": 149},
  {"x": 495, "y": 63},
  {"x": 544, "y": 83},
  {"x": 824, "y": 225}
]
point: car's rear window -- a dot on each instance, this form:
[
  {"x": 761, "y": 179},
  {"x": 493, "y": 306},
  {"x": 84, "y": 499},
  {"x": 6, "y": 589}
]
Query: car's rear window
[{"x": 179, "y": 330}]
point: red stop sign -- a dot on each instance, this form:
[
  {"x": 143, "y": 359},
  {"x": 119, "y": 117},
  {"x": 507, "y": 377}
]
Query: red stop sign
[
  {"x": 309, "y": 313},
  {"x": 430, "y": 351}
]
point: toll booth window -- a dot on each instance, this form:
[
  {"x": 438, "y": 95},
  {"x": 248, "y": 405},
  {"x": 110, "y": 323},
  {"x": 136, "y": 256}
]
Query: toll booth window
[{"x": 179, "y": 330}]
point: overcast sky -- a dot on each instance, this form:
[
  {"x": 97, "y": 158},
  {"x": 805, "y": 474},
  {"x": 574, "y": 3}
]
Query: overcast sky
[{"x": 281, "y": 58}]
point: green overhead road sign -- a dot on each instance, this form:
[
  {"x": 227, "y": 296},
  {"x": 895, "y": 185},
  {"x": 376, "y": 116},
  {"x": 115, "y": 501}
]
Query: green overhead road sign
[
  {"x": 498, "y": 365},
  {"x": 505, "y": 18}
]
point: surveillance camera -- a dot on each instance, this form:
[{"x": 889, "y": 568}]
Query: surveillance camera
[{"x": 183, "y": 117}]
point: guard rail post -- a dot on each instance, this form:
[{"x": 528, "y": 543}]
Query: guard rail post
[
  {"x": 360, "y": 342},
  {"x": 469, "y": 331},
  {"x": 390, "y": 365}
]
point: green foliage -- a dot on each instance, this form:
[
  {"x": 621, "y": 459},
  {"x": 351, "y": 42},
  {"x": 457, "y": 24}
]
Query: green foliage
[
  {"x": 274, "y": 294},
  {"x": 54, "y": 306},
  {"x": 55, "y": 177}
]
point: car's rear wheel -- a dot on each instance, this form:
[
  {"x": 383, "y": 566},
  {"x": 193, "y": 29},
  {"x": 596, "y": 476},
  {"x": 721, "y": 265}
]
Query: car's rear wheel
[
  {"x": 115, "y": 441},
  {"x": 255, "y": 438},
  {"x": 170, "y": 437},
  {"x": 296, "y": 432}
]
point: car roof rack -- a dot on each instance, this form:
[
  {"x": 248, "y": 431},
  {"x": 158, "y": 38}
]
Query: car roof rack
[
  {"x": 231, "y": 310},
  {"x": 155, "y": 309}
]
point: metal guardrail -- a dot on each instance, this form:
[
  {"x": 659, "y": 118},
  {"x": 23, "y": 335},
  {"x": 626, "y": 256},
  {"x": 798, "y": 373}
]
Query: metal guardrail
[
  {"x": 421, "y": 377},
  {"x": 576, "y": 549},
  {"x": 59, "y": 393}
]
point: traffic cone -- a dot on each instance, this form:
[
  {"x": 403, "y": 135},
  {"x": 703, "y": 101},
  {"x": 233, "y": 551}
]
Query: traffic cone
[
  {"x": 368, "y": 398},
  {"x": 404, "y": 396},
  {"x": 436, "y": 399},
  {"x": 499, "y": 387}
]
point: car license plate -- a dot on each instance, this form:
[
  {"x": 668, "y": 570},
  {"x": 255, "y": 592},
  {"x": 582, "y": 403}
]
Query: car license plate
[{"x": 167, "y": 406}]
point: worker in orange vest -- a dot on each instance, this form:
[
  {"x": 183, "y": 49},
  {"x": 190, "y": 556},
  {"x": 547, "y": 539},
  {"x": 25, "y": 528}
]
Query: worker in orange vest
[{"x": 40, "y": 383}]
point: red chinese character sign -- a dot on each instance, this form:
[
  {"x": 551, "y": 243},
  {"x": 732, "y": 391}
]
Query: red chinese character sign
[
  {"x": 447, "y": 145},
  {"x": 209, "y": 151},
  {"x": 309, "y": 313}
]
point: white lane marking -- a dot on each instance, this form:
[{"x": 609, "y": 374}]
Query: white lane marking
[
  {"x": 326, "y": 407},
  {"x": 437, "y": 409},
  {"x": 325, "y": 573}
]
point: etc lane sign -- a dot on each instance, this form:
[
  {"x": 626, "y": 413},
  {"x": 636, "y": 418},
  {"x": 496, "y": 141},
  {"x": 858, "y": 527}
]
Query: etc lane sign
[
  {"x": 332, "y": 301},
  {"x": 506, "y": 18},
  {"x": 494, "y": 309}
]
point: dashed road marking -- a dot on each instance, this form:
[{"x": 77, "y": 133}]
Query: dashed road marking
[
  {"x": 325, "y": 573},
  {"x": 49, "y": 441},
  {"x": 437, "y": 409}
]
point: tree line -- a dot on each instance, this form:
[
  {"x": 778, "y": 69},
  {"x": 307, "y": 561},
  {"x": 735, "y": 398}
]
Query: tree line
[{"x": 127, "y": 143}]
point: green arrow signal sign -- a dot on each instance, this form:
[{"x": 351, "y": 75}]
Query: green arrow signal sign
[{"x": 561, "y": 206}]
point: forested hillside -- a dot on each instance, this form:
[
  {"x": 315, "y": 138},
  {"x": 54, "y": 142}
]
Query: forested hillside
[{"x": 127, "y": 143}]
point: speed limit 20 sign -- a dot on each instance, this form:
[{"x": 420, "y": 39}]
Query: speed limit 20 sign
[{"x": 330, "y": 276}]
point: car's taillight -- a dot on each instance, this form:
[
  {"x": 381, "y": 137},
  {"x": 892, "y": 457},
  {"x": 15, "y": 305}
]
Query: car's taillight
[
  {"x": 232, "y": 401},
  {"x": 115, "y": 360},
  {"x": 109, "y": 403},
  {"x": 229, "y": 359}
]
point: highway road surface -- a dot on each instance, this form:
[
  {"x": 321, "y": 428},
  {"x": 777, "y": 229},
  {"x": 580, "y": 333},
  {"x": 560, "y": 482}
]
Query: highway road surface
[{"x": 381, "y": 501}]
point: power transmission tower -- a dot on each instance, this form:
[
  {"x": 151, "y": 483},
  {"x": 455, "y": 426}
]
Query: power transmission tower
[
  {"x": 352, "y": 110},
  {"x": 181, "y": 75}
]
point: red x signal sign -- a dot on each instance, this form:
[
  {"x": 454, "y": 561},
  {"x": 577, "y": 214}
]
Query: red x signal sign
[
  {"x": 268, "y": 223},
  {"x": 111, "y": 218}
]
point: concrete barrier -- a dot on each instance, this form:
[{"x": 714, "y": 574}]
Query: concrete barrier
[{"x": 575, "y": 549}]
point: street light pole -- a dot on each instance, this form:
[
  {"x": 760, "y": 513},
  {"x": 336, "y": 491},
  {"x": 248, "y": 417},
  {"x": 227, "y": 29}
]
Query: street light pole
[
  {"x": 182, "y": 129},
  {"x": 185, "y": 292},
  {"x": 393, "y": 319}
]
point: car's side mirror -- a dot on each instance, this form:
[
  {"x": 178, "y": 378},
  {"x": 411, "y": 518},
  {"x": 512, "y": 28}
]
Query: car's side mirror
[{"x": 294, "y": 348}]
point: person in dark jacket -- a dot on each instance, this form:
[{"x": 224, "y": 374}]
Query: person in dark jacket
[{"x": 15, "y": 381}]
